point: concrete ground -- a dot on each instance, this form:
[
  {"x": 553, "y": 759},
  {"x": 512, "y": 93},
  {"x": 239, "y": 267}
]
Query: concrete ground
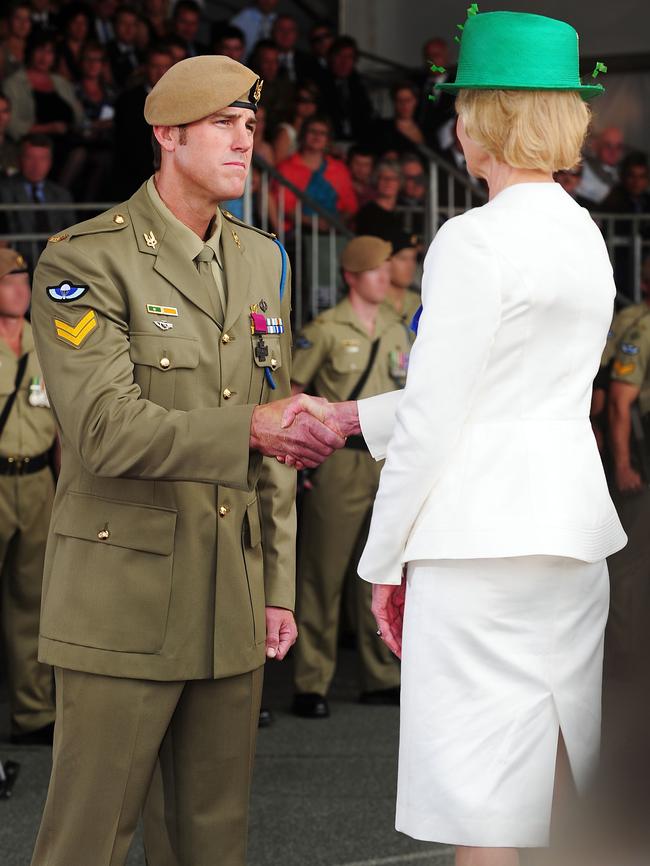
[{"x": 324, "y": 791}]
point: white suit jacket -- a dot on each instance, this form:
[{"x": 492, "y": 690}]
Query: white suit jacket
[{"x": 489, "y": 450}]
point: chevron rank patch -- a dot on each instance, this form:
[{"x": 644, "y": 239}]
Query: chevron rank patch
[{"x": 77, "y": 334}]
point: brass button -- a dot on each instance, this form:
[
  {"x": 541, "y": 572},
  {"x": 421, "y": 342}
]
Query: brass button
[
  {"x": 225, "y": 509},
  {"x": 11, "y": 459},
  {"x": 103, "y": 534},
  {"x": 227, "y": 393},
  {"x": 225, "y": 338},
  {"x": 118, "y": 219},
  {"x": 164, "y": 363}
]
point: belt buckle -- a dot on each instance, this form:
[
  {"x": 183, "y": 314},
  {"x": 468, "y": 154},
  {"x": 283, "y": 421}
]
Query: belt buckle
[{"x": 17, "y": 464}]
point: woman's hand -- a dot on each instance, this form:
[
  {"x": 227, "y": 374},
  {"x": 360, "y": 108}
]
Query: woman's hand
[{"x": 388, "y": 611}]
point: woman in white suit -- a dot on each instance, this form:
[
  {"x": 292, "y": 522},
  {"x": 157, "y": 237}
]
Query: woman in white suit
[{"x": 493, "y": 498}]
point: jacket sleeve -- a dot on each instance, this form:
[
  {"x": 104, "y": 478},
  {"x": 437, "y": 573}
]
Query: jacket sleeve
[
  {"x": 377, "y": 420},
  {"x": 277, "y": 496},
  {"x": 461, "y": 300},
  {"x": 23, "y": 114},
  {"x": 98, "y": 405}
]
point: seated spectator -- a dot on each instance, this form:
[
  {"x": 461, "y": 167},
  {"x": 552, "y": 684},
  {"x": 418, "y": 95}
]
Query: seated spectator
[
  {"x": 229, "y": 41},
  {"x": 45, "y": 16},
  {"x": 256, "y": 23},
  {"x": 186, "y": 22},
  {"x": 569, "y": 179},
  {"x": 321, "y": 38},
  {"x": 435, "y": 117},
  {"x": 76, "y": 24},
  {"x": 379, "y": 217},
  {"x": 133, "y": 151},
  {"x": 155, "y": 21},
  {"x": 97, "y": 99},
  {"x": 279, "y": 93},
  {"x": 294, "y": 64},
  {"x": 12, "y": 47},
  {"x": 104, "y": 13},
  {"x": 344, "y": 97},
  {"x": 361, "y": 164},
  {"x": 326, "y": 180},
  {"x": 261, "y": 145},
  {"x": 44, "y": 102},
  {"x": 8, "y": 147},
  {"x": 285, "y": 142},
  {"x": 400, "y": 133},
  {"x": 176, "y": 48},
  {"x": 600, "y": 169},
  {"x": 413, "y": 195},
  {"x": 123, "y": 54},
  {"x": 32, "y": 184}
]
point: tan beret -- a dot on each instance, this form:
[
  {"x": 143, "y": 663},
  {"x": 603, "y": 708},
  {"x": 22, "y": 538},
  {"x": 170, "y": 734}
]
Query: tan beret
[
  {"x": 365, "y": 253},
  {"x": 198, "y": 87},
  {"x": 10, "y": 261}
]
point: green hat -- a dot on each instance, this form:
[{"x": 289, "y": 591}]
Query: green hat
[{"x": 519, "y": 51}]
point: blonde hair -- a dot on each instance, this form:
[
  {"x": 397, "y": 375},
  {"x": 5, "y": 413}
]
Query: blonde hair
[{"x": 534, "y": 129}]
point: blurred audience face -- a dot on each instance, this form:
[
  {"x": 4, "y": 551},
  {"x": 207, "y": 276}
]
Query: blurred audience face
[
  {"x": 186, "y": 24},
  {"x": 155, "y": 8},
  {"x": 267, "y": 6},
  {"x": 285, "y": 33},
  {"x": 5, "y": 115},
  {"x": 436, "y": 53},
  {"x": 316, "y": 138},
  {"x": 402, "y": 267},
  {"x": 361, "y": 166},
  {"x": 635, "y": 180},
  {"x": 20, "y": 23},
  {"x": 15, "y": 295},
  {"x": 321, "y": 40},
  {"x": 388, "y": 182},
  {"x": 105, "y": 9},
  {"x": 40, "y": 5},
  {"x": 342, "y": 63},
  {"x": 569, "y": 179},
  {"x": 371, "y": 286},
  {"x": 92, "y": 63},
  {"x": 35, "y": 162},
  {"x": 157, "y": 64},
  {"x": 126, "y": 27},
  {"x": 231, "y": 46},
  {"x": 77, "y": 28},
  {"x": 43, "y": 58},
  {"x": 268, "y": 63},
  {"x": 305, "y": 103},
  {"x": 405, "y": 104},
  {"x": 177, "y": 53},
  {"x": 609, "y": 146}
]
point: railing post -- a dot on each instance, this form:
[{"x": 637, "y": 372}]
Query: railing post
[
  {"x": 434, "y": 198},
  {"x": 299, "y": 287},
  {"x": 314, "y": 265}
]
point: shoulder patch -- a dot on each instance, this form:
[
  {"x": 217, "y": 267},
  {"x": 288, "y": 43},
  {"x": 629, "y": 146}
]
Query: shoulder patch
[
  {"x": 303, "y": 343},
  {"x": 76, "y": 334},
  {"x": 622, "y": 369},
  {"x": 66, "y": 291},
  {"x": 629, "y": 349}
]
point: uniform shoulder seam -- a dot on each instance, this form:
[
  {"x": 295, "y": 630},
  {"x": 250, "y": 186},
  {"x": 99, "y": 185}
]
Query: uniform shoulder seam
[{"x": 241, "y": 224}]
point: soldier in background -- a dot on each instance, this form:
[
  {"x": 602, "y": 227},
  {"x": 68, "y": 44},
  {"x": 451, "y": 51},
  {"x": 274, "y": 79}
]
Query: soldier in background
[
  {"x": 27, "y": 437},
  {"x": 359, "y": 348},
  {"x": 403, "y": 265}
]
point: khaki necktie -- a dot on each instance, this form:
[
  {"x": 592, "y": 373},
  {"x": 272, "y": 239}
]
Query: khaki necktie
[{"x": 204, "y": 267}]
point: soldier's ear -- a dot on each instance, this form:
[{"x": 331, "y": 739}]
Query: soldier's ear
[{"x": 167, "y": 137}]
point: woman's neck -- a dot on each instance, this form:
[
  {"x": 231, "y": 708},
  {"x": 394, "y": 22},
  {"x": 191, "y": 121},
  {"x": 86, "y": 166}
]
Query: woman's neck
[{"x": 499, "y": 176}]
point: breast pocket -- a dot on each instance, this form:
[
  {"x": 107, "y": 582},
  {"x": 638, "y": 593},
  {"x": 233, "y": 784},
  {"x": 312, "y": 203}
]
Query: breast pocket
[
  {"x": 267, "y": 351},
  {"x": 161, "y": 365},
  {"x": 111, "y": 578},
  {"x": 347, "y": 360}
]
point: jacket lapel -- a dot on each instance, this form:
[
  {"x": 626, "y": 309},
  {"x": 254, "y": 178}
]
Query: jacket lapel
[
  {"x": 171, "y": 260},
  {"x": 238, "y": 275}
]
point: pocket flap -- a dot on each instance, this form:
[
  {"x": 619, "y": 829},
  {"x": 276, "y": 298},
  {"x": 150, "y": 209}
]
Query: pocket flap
[
  {"x": 268, "y": 354},
  {"x": 253, "y": 521},
  {"x": 164, "y": 353},
  {"x": 137, "y": 527}
]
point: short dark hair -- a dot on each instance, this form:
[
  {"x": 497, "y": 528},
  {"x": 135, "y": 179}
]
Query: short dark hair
[
  {"x": 312, "y": 121},
  {"x": 37, "y": 139},
  {"x": 125, "y": 9},
  {"x": 227, "y": 31},
  {"x": 158, "y": 48},
  {"x": 38, "y": 40},
  {"x": 636, "y": 159},
  {"x": 186, "y": 6},
  {"x": 403, "y": 85},
  {"x": 342, "y": 42},
  {"x": 359, "y": 150}
]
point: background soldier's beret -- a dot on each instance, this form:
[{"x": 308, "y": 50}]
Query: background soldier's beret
[
  {"x": 11, "y": 262},
  {"x": 365, "y": 253},
  {"x": 199, "y": 86}
]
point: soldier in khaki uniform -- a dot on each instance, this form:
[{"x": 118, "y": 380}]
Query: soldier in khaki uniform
[
  {"x": 163, "y": 330},
  {"x": 403, "y": 265},
  {"x": 357, "y": 349},
  {"x": 26, "y": 492}
]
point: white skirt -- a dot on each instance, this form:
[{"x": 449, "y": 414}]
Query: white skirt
[{"x": 498, "y": 655}]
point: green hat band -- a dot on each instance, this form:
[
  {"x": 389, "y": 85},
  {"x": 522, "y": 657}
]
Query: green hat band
[{"x": 519, "y": 51}]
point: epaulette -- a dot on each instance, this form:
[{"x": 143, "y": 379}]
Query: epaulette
[
  {"x": 233, "y": 219},
  {"x": 111, "y": 220}
]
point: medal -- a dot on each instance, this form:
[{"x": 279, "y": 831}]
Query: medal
[{"x": 37, "y": 393}]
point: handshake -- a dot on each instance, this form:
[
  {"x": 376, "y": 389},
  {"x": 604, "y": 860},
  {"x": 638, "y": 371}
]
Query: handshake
[{"x": 302, "y": 431}]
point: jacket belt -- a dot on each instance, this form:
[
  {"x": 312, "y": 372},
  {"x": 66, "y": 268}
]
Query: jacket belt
[
  {"x": 24, "y": 465},
  {"x": 356, "y": 443}
]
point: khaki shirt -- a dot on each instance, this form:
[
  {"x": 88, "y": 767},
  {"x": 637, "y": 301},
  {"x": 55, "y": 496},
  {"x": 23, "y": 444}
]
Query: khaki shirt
[
  {"x": 333, "y": 350},
  {"x": 412, "y": 303},
  {"x": 623, "y": 320},
  {"x": 632, "y": 359},
  {"x": 30, "y": 428},
  {"x": 168, "y": 535}
]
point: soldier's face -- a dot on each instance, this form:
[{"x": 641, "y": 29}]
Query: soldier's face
[
  {"x": 371, "y": 286},
  {"x": 14, "y": 295},
  {"x": 402, "y": 268},
  {"x": 217, "y": 153}
]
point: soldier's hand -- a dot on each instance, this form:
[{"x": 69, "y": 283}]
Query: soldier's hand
[
  {"x": 627, "y": 480},
  {"x": 281, "y": 632},
  {"x": 306, "y": 439}
]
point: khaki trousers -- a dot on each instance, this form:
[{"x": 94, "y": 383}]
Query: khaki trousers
[
  {"x": 110, "y": 733},
  {"x": 335, "y": 521},
  {"x": 25, "y": 507}
]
